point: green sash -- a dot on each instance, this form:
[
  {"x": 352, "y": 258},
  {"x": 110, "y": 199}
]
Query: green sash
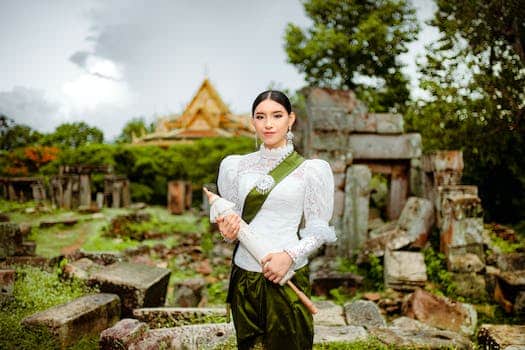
[{"x": 254, "y": 200}]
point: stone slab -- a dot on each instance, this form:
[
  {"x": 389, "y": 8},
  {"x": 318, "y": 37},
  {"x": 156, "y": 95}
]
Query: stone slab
[
  {"x": 404, "y": 270},
  {"x": 393, "y": 240},
  {"x": 327, "y": 334},
  {"x": 364, "y": 313},
  {"x": 329, "y": 141},
  {"x": 166, "y": 317},
  {"x": 329, "y": 314},
  {"x": 85, "y": 316},
  {"x": 371, "y": 146},
  {"x": 137, "y": 285},
  {"x": 470, "y": 285},
  {"x": 7, "y": 282},
  {"x": 200, "y": 336},
  {"x": 465, "y": 263},
  {"x": 122, "y": 334},
  {"x": 10, "y": 237},
  {"x": 421, "y": 339}
]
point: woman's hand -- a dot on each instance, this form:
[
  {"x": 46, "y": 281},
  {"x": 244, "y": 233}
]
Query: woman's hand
[
  {"x": 276, "y": 265},
  {"x": 229, "y": 226}
]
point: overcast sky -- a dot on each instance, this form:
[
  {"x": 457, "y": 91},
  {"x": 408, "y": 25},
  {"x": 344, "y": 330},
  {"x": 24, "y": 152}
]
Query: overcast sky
[{"x": 105, "y": 62}]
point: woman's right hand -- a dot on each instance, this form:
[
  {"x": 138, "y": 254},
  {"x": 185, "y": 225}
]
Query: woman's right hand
[{"x": 229, "y": 226}]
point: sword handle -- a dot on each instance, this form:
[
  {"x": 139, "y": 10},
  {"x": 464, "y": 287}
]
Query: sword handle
[{"x": 304, "y": 299}]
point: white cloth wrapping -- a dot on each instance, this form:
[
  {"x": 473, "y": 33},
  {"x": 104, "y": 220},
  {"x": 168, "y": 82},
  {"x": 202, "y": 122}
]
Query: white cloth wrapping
[{"x": 308, "y": 190}]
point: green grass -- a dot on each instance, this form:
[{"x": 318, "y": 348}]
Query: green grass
[{"x": 36, "y": 290}]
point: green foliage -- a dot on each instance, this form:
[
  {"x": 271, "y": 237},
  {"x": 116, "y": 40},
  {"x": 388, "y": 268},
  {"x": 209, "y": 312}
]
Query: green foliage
[
  {"x": 354, "y": 45},
  {"x": 474, "y": 78},
  {"x": 136, "y": 127},
  {"x": 375, "y": 272},
  {"x": 36, "y": 290},
  {"x": 438, "y": 274},
  {"x": 73, "y": 135},
  {"x": 14, "y": 136}
]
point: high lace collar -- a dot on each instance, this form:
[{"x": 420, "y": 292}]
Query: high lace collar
[{"x": 275, "y": 153}]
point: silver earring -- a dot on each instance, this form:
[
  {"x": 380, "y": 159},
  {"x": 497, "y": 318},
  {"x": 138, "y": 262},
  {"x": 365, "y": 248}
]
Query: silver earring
[{"x": 289, "y": 136}]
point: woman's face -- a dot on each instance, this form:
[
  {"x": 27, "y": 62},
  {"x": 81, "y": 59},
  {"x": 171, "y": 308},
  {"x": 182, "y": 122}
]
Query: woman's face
[{"x": 271, "y": 122}]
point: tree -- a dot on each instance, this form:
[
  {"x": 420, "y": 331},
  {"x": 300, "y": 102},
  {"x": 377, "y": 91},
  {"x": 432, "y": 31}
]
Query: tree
[
  {"x": 73, "y": 135},
  {"x": 14, "y": 136},
  {"x": 135, "y": 127},
  {"x": 355, "y": 45},
  {"x": 475, "y": 80}
]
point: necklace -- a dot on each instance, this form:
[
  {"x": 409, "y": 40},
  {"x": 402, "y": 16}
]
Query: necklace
[{"x": 266, "y": 182}]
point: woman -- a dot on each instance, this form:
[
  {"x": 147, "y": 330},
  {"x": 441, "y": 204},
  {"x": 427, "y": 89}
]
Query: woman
[{"x": 272, "y": 189}]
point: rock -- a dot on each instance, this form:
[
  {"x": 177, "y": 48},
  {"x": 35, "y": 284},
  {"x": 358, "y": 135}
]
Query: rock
[
  {"x": 440, "y": 312},
  {"x": 519, "y": 303},
  {"x": 204, "y": 267},
  {"x": 465, "y": 263},
  {"x": 81, "y": 269},
  {"x": 328, "y": 141},
  {"x": 509, "y": 286},
  {"x": 84, "y": 316},
  {"x": 100, "y": 258},
  {"x": 416, "y": 219},
  {"x": 470, "y": 285},
  {"x": 393, "y": 240},
  {"x": 364, "y": 313},
  {"x": 122, "y": 335},
  {"x": 7, "y": 284},
  {"x": 389, "y": 226},
  {"x": 327, "y": 334},
  {"x": 510, "y": 261},
  {"x": 137, "y": 285},
  {"x": 190, "y": 292},
  {"x": 199, "y": 336},
  {"x": 165, "y": 317},
  {"x": 330, "y": 314},
  {"x": 492, "y": 336},
  {"x": 420, "y": 339},
  {"x": 404, "y": 270},
  {"x": 26, "y": 248},
  {"x": 64, "y": 221},
  {"x": 372, "y": 296},
  {"x": 369, "y": 146},
  {"x": 408, "y": 323}
]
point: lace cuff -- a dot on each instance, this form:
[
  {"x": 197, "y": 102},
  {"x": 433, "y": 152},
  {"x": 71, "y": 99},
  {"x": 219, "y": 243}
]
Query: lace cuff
[{"x": 313, "y": 236}]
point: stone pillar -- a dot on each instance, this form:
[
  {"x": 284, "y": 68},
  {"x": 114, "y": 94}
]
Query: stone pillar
[
  {"x": 68, "y": 193},
  {"x": 85, "y": 190},
  {"x": 397, "y": 191},
  {"x": 100, "y": 200},
  {"x": 116, "y": 193},
  {"x": 11, "y": 192},
  {"x": 188, "y": 195},
  {"x": 355, "y": 217},
  {"x": 126, "y": 193},
  {"x": 176, "y": 196}
]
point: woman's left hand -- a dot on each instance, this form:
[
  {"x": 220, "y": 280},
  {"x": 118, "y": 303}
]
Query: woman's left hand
[{"x": 276, "y": 265}]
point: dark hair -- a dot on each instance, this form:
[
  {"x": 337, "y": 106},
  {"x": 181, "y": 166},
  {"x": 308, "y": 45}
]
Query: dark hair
[{"x": 273, "y": 95}]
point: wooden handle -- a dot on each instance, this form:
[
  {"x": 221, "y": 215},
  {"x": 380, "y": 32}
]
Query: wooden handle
[{"x": 304, "y": 299}]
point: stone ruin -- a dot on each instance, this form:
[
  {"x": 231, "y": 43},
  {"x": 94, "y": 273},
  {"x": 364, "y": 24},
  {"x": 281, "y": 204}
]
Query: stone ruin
[{"x": 21, "y": 189}]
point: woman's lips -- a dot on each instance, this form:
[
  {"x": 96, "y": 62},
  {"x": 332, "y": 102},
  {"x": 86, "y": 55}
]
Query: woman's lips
[{"x": 269, "y": 133}]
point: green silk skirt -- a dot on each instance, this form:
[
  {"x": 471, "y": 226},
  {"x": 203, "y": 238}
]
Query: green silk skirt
[{"x": 269, "y": 314}]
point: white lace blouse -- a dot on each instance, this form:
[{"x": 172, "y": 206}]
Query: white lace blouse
[{"x": 309, "y": 189}]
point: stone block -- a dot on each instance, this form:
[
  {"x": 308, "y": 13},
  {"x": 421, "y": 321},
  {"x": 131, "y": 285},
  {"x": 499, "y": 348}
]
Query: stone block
[
  {"x": 330, "y": 118},
  {"x": 9, "y": 239},
  {"x": 329, "y": 141},
  {"x": 393, "y": 240},
  {"x": 470, "y": 285},
  {"x": 198, "y": 336},
  {"x": 355, "y": 217},
  {"x": 339, "y": 181},
  {"x": 329, "y": 314},
  {"x": 510, "y": 261},
  {"x": 85, "y": 316},
  {"x": 339, "y": 160},
  {"x": 329, "y": 334},
  {"x": 465, "y": 263},
  {"x": 397, "y": 338},
  {"x": 416, "y": 219},
  {"x": 389, "y": 123},
  {"x": 339, "y": 203},
  {"x": 137, "y": 285},
  {"x": 364, "y": 313},
  {"x": 365, "y": 122},
  {"x": 122, "y": 335},
  {"x": 7, "y": 283},
  {"x": 166, "y": 317},
  {"x": 495, "y": 336},
  {"x": 404, "y": 270},
  {"x": 190, "y": 292},
  {"x": 370, "y": 146},
  {"x": 440, "y": 312}
]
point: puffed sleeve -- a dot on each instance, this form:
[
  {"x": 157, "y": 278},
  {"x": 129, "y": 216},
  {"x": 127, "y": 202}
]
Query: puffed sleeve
[
  {"x": 228, "y": 180},
  {"x": 318, "y": 209}
]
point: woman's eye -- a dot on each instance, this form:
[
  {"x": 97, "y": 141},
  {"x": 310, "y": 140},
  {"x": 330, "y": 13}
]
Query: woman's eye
[
  {"x": 278, "y": 115},
  {"x": 259, "y": 117}
]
